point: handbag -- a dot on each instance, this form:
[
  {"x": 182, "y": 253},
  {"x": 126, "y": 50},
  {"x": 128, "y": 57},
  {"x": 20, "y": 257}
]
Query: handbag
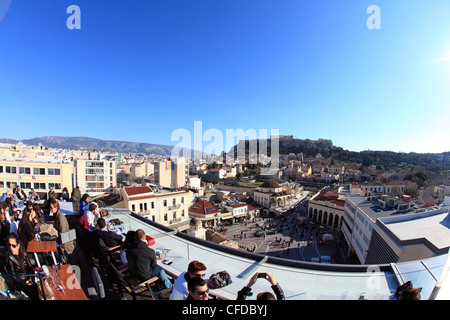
[{"x": 219, "y": 280}]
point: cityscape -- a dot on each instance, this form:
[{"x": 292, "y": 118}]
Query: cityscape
[{"x": 299, "y": 143}]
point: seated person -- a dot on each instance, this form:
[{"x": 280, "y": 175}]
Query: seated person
[
  {"x": 17, "y": 263},
  {"x": 198, "y": 289},
  {"x": 92, "y": 215},
  {"x": 83, "y": 203},
  {"x": 180, "y": 288},
  {"x": 26, "y": 229},
  {"x": 110, "y": 238},
  {"x": 33, "y": 196},
  {"x": 142, "y": 261}
]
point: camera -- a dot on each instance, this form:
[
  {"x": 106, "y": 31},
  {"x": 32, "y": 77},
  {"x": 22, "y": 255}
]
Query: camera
[{"x": 262, "y": 275}]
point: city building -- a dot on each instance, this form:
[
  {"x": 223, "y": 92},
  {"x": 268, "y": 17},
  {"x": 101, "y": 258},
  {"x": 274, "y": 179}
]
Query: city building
[
  {"x": 172, "y": 173},
  {"x": 95, "y": 176},
  {"x": 165, "y": 206},
  {"x": 39, "y": 174},
  {"x": 272, "y": 195},
  {"x": 327, "y": 207},
  {"x": 390, "y": 229}
]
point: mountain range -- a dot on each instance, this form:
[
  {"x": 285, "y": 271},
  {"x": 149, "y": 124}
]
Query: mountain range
[
  {"x": 434, "y": 162},
  {"x": 77, "y": 143}
]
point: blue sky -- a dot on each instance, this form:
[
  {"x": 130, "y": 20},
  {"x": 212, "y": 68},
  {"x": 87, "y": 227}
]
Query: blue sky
[{"x": 138, "y": 70}]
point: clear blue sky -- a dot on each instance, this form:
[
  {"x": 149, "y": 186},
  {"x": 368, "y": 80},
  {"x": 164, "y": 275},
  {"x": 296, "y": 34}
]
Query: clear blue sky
[{"x": 139, "y": 69}]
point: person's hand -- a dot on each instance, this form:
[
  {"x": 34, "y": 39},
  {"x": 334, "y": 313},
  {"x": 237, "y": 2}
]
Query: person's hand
[
  {"x": 271, "y": 279},
  {"x": 252, "y": 280}
]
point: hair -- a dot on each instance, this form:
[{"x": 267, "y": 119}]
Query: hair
[
  {"x": 195, "y": 282},
  {"x": 55, "y": 203},
  {"x": 410, "y": 294},
  {"x": 29, "y": 203},
  {"x": 25, "y": 220},
  {"x": 5, "y": 207},
  {"x": 265, "y": 296},
  {"x": 129, "y": 238},
  {"x": 84, "y": 197},
  {"x": 92, "y": 206},
  {"x": 14, "y": 236},
  {"x": 140, "y": 234},
  {"x": 195, "y": 266},
  {"x": 101, "y": 223},
  {"x": 65, "y": 189}
]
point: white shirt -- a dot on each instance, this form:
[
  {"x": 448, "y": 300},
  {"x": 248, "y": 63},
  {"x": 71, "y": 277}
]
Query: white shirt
[
  {"x": 180, "y": 288},
  {"x": 92, "y": 219}
]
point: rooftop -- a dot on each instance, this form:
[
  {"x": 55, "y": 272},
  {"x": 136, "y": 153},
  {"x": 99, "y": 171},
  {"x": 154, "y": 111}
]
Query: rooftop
[{"x": 299, "y": 280}]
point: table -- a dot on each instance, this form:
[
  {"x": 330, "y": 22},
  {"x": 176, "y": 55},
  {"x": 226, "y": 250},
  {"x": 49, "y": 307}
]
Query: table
[
  {"x": 42, "y": 246},
  {"x": 66, "y": 287}
]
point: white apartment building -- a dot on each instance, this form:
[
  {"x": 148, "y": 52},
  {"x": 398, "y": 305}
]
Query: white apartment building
[
  {"x": 170, "y": 208},
  {"x": 95, "y": 176}
]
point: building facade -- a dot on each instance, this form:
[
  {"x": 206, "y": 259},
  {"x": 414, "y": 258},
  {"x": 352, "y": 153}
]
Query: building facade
[
  {"x": 166, "y": 207},
  {"x": 38, "y": 174},
  {"x": 95, "y": 176}
]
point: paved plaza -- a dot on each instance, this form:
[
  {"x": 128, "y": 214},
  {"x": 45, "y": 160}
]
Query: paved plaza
[{"x": 290, "y": 236}]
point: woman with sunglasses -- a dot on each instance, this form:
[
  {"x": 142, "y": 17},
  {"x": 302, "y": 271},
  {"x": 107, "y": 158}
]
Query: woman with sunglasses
[{"x": 18, "y": 264}]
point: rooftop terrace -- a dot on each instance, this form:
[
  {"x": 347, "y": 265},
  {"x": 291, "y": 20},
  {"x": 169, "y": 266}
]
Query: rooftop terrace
[{"x": 299, "y": 280}]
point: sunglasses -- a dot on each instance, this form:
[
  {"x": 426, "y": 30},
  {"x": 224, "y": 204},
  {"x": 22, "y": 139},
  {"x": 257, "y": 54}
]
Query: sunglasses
[
  {"x": 202, "y": 293},
  {"x": 199, "y": 275},
  {"x": 13, "y": 245}
]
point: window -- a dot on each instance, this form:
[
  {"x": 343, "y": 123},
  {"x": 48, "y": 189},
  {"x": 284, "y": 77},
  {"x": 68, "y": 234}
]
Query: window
[
  {"x": 25, "y": 185},
  {"x": 165, "y": 203},
  {"x": 145, "y": 206},
  {"x": 174, "y": 215},
  {"x": 54, "y": 171},
  {"x": 133, "y": 207},
  {"x": 165, "y": 217},
  {"x": 55, "y": 185},
  {"x": 174, "y": 201},
  {"x": 141, "y": 207},
  {"x": 1, "y": 169},
  {"x": 39, "y": 185},
  {"x": 182, "y": 213},
  {"x": 39, "y": 171},
  {"x": 182, "y": 199},
  {"x": 11, "y": 185},
  {"x": 24, "y": 170},
  {"x": 153, "y": 205},
  {"x": 9, "y": 169}
]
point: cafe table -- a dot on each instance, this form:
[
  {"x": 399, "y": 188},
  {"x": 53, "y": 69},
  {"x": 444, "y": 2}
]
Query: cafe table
[
  {"x": 36, "y": 247},
  {"x": 61, "y": 284}
]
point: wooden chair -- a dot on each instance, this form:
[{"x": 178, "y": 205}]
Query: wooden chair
[{"x": 131, "y": 286}]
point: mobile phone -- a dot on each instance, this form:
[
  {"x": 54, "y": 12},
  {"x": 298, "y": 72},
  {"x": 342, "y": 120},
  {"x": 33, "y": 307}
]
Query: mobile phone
[{"x": 261, "y": 275}]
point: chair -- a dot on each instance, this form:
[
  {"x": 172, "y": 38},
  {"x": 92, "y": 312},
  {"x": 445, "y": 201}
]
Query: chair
[
  {"x": 132, "y": 286},
  {"x": 98, "y": 283}
]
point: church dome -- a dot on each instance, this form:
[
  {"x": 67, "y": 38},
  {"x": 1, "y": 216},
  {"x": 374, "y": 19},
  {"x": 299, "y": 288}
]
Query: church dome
[{"x": 270, "y": 184}]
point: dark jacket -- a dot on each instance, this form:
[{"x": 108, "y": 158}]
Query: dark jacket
[
  {"x": 110, "y": 238},
  {"x": 141, "y": 260},
  {"x": 246, "y": 291},
  {"x": 12, "y": 266}
]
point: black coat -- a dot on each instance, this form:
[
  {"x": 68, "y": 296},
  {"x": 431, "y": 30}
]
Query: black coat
[
  {"x": 141, "y": 260},
  {"x": 110, "y": 238}
]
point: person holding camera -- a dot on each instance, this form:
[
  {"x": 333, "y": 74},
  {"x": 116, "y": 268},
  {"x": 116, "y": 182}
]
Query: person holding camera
[{"x": 247, "y": 290}]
